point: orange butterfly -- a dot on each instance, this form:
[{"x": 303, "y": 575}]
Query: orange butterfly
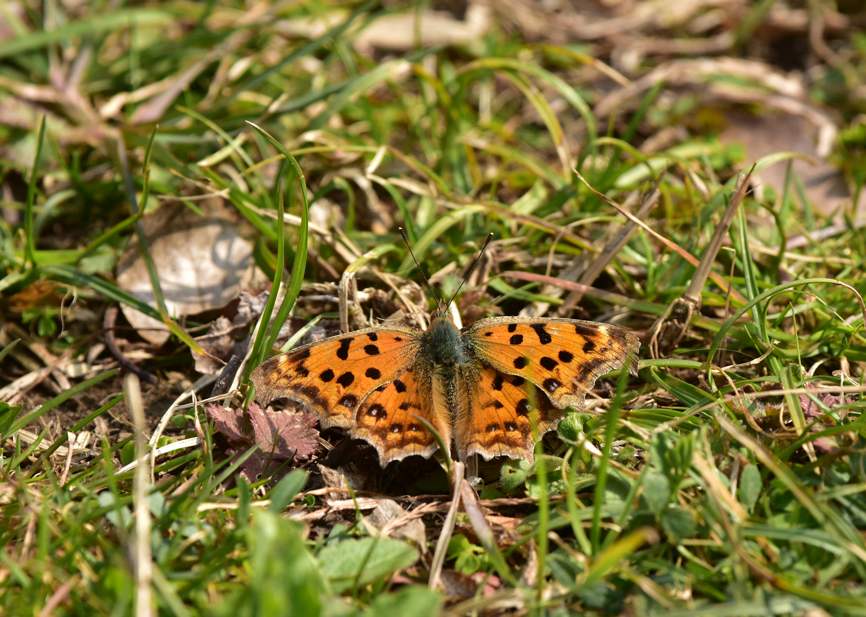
[{"x": 387, "y": 385}]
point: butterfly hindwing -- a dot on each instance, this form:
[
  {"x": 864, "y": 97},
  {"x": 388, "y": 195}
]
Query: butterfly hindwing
[
  {"x": 563, "y": 357},
  {"x": 506, "y": 415},
  {"x": 395, "y": 418},
  {"x": 332, "y": 377}
]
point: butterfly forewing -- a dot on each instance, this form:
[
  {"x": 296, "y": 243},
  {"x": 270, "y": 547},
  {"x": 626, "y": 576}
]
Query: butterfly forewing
[
  {"x": 563, "y": 357},
  {"x": 395, "y": 418},
  {"x": 334, "y": 376},
  {"x": 506, "y": 415}
]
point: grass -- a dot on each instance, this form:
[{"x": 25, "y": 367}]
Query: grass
[{"x": 725, "y": 478}]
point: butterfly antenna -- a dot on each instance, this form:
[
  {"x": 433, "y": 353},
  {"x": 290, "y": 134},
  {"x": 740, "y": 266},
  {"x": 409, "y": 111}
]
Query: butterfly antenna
[
  {"x": 471, "y": 267},
  {"x": 421, "y": 268}
]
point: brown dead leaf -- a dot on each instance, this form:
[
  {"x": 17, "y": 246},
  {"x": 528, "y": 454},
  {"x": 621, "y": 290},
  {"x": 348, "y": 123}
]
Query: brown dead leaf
[
  {"x": 458, "y": 585},
  {"x": 767, "y": 133},
  {"x": 334, "y": 478},
  {"x": 279, "y": 435},
  {"x": 391, "y": 520},
  {"x": 36, "y": 294},
  {"x": 403, "y": 31},
  {"x": 202, "y": 263},
  {"x": 227, "y": 421},
  {"x": 811, "y": 409},
  {"x": 227, "y": 330},
  {"x": 217, "y": 344},
  {"x": 400, "y": 31},
  {"x": 284, "y": 434}
]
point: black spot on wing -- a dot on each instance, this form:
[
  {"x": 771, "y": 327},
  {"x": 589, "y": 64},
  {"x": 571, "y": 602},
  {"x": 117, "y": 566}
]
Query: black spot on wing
[
  {"x": 588, "y": 346},
  {"x": 543, "y": 335},
  {"x": 512, "y": 327},
  {"x": 588, "y": 368},
  {"x": 586, "y": 331},
  {"x": 522, "y": 407},
  {"x": 492, "y": 427},
  {"x": 566, "y": 356},
  {"x": 343, "y": 351},
  {"x": 372, "y": 336},
  {"x": 552, "y": 384},
  {"x": 346, "y": 379},
  {"x": 348, "y": 400},
  {"x": 302, "y": 355},
  {"x": 301, "y": 370},
  {"x": 326, "y": 375},
  {"x": 373, "y": 373},
  {"x": 396, "y": 428},
  {"x": 376, "y": 411},
  {"x": 510, "y": 426},
  {"x": 518, "y": 381},
  {"x": 399, "y": 386},
  {"x": 497, "y": 382},
  {"x": 548, "y": 363},
  {"x": 311, "y": 392},
  {"x": 371, "y": 350},
  {"x": 516, "y": 339},
  {"x": 520, "y": 362}
]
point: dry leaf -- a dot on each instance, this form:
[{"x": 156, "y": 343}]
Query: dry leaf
[
  {"x": 226, "y": 331},
  {"x": 391, "y": 520},
  {"x": 459, "y": 585},
  {"x": 202, "y": 263},
  {"x": 811, "y": 409},
  {"x": 400, "y": 31},
  {"x": 284, "y": 434},
  {"x": 227, "y": 421},
  {"x": 764, "y": 134},
  {"x": 280, "y": 435}
]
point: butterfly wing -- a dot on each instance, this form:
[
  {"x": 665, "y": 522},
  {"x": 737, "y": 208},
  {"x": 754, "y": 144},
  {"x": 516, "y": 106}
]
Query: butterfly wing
[
  {"x": 332, "y": 377},
  {"x": 506, "y": 415},
  {"x": 563, "y": 357},
  {"x": 395, "y": 418}
]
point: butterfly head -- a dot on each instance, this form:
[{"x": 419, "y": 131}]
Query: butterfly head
[{"x": 443, "y": 344}]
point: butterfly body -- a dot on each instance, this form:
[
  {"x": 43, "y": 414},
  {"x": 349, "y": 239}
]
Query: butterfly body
[
  {"x": 492, "y": 388},
  {"x": 443, "y": 344}
]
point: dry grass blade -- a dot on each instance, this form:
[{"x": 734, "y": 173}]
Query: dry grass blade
[
  {"x": 716, "y": 278},
  {"x": 611, "y": 249},
  {"x": 142, "y": 558},
  {"x": 458, "y": 470},
  {"x": 670, "y": 327},
  {"x": 583, "y": 290}
]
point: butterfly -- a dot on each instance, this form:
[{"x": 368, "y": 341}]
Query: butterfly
[{"x": 492, "y": 388}]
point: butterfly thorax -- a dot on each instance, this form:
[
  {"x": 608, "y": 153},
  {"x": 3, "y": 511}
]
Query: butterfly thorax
[{"x": 443, "y": 344}]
